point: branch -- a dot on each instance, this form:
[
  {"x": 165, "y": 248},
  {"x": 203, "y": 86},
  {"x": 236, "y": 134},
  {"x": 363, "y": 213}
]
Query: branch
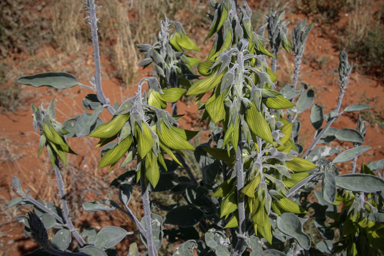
[
  {"x": 297, "y": 70},
  {"x": 240, "y": 199},
  {"x": 60, "y": 185},
  {"x": 91, "y": 8},
  {"x": 147, "y": 213}
]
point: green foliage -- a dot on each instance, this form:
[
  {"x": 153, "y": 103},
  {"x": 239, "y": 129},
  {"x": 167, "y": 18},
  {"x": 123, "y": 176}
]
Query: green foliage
[{"x": 253, "y": 174}]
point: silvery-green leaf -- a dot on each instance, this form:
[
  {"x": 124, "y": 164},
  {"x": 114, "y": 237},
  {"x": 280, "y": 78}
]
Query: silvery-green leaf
[
  {"x": 377, "y": 217},
  {"x": 96, "y": 206},
  {"x": 303, "y": 86},
  {"x": 272, "y": 252},
  {"x": 125, "y": 192},
  {"x": 184, "y": 216},
  {"x": 186, "y": 248},
  {"x": 290, "y": 224},
  {"x": 350, "y": 154},
  {"x": 322, "y": 152},
  {"x": 59, "y": 80},
  {"x": 16, "y": 183},
  {"x": 376, "y": 165},
  {"x": 329, "y": 187},
  {"x": 92, "y": 250},
  {"x": 157, "y": 230},
  {"x": 69, "y": 126},
  {"x": 325, "y": 247},
  {"x": 61, "y": 240},
  {"x": 289, "y": 93},
  {"x": 85, "y": 122},
  {"x": 51, "y": 109},
  {"x": 305, "y": 101},
  {"x": 14, "y": 201},
  {"x": 356, "y": 107},
  {"x": 48, "y": 220},
  {"x": 317, "y": 116},
  {"x": 145, "y": 62},
  {"x": 90, "y": 233},
  {"x": 109, "y": 237},
  {"x": 350, "y": 135},
  {"x": 255, "y": 244},
  {"x": 91, "y": 102},
  {"x": 360, "y": 182}
]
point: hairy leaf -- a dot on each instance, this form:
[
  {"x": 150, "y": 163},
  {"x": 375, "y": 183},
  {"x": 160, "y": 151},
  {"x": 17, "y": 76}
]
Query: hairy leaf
[
  {"x": 58, "y": 80},
  {"x": 360, "y": 182}
]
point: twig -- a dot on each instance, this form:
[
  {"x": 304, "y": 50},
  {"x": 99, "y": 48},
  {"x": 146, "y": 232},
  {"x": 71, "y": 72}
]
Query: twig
[
  {"x": 91, "y": 8},
  {"x": 297, "y": 70},
  {"x": 43, "y": 207},
  {"x": 147, "y": 213},
  {"x": 240, "y": 199},
  {"x": 60, "y": 185}
]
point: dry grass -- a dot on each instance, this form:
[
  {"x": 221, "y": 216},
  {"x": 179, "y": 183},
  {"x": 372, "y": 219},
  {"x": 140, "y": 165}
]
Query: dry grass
[{"x": 363, "y": 34}]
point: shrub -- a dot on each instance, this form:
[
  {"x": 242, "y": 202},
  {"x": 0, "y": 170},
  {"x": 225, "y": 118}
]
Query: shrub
[{"x": 252, "y": 198}]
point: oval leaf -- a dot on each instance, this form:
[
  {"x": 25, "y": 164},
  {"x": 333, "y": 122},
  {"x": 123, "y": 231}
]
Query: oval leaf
[
  {"x": 109, "y": 237},
  {"x": 58, "y": 80},
  {"x": 92, "y": 250},
  {"x": 356, "y": 107},
  {"x": 360, "y": 182},
  {"x": 305, "y": 101},
  {"x": 350, "y": 154},
  {"x": 317, "y": 116},
  {"x": 290, "y": 224},
  {"x": 350, "y": 135},
  {"x": 61, "y": 240}
]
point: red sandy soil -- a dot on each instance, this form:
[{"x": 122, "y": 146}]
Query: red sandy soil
[{"x": 18, "y": 155}]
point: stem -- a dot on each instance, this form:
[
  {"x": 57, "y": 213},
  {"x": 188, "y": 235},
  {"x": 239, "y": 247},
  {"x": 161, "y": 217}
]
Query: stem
[
  {"x": 297, "y": 70},
  {"x": 320, "y": 135},
  {"x": 137, "y": 222},
  {"x": 147, "y": 214},
  {"x": 91, "y": 8},
  {"x": 240, "y": 199},
  {"x": 274, "y": 60},
  {"x": 60, "y": 185},
  {"x": 42, "y": 207},
  {"x": 354, "y": 164}
]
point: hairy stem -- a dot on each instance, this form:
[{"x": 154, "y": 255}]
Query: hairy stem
[
  {"x": 354, "y": 165},
  {"x": 42, "y": 207},
  {"x": 240, "y": 199},
  {"x": 147, "y": 214},
  {"x": 297, "y": 70},
  {"x": 274, "y": 60},
  {"x": 137, "y": 222},
  {"x": 91, "y": 8},
  {"x": 60, "y": 185}
]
